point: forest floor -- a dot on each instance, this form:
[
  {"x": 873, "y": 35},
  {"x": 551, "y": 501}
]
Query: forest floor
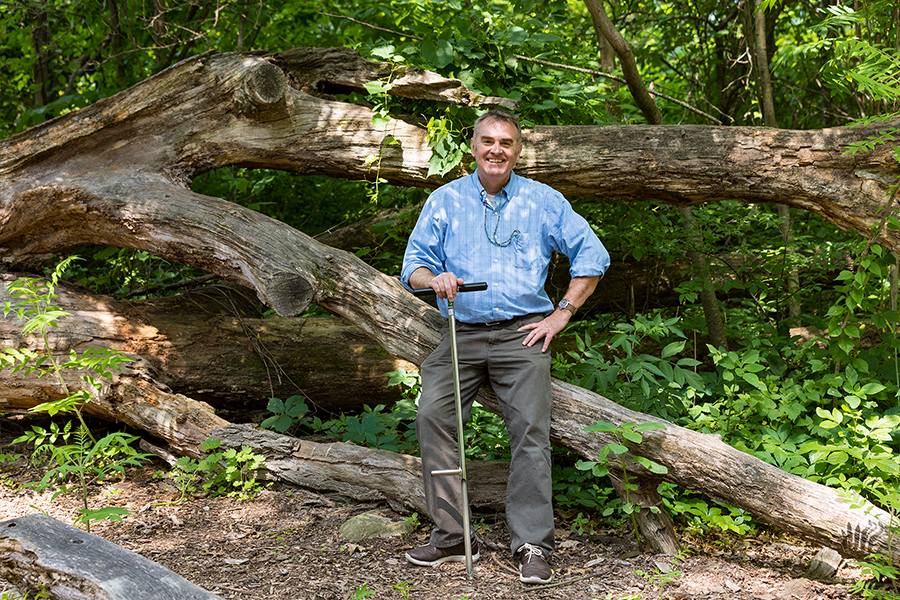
[{"x": 285, "y": 544}]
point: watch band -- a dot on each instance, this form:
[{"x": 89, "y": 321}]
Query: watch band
[{"x": 564, "y": 304}]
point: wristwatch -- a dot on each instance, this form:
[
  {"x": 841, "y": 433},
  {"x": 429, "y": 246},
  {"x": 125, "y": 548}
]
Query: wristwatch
[{"x": 566, "y": 305}]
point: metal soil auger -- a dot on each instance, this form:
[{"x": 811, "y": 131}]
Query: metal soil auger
[{"x": 460, "y": 431}]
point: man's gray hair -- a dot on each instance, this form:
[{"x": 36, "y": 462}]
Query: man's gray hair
[{"x": 503, "y": 117}]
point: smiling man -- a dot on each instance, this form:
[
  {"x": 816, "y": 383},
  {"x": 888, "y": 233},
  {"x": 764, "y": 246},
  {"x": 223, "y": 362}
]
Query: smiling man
[{"x": 497, "y": 227}]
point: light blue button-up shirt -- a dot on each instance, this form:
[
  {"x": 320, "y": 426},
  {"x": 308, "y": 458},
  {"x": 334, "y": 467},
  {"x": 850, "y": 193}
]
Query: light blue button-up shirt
[{"x": 459, "y": 232}]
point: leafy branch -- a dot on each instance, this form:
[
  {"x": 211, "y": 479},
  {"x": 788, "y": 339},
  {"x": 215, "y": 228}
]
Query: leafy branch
[{"x": 86, "y": 458}]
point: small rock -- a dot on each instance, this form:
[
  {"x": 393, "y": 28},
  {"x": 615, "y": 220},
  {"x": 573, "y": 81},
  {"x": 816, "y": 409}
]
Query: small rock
[
  {"x": 373, "y": 524},
  {"x": 797, "y": 589},
  {"x": 823, "y": 565},
  {"x": 663, "y": 567}
]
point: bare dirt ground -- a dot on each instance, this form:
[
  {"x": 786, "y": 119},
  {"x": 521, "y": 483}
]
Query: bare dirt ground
[{"x": 286, "y": 544}]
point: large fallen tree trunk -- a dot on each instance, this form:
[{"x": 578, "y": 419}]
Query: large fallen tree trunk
[
  {"x": 359, "y": 473},
  {"x": 234, "y": 109},
  {"x": 110, "y": 174},
  {"x": 213, "y": 345}
]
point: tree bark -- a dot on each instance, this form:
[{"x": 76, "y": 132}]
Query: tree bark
[
  {"x": 54, "y": 560},
  {"x": 767, "y": 102},
  {"x": 214, "y": 346},
  {"x": 715, "y": 325},
  {"x": 109, "y": 174},
  {"x": 360, "y": 473}
]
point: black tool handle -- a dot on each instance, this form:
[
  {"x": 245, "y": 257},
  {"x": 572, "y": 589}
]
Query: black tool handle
[{"x": 466, "y": 287}]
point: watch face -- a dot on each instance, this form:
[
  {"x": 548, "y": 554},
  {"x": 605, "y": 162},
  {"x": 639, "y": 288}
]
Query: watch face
[{"x": 563, "y": 303}]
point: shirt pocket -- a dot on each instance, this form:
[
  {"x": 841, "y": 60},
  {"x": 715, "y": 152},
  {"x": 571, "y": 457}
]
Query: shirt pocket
[{"x": 528, "y": 252}]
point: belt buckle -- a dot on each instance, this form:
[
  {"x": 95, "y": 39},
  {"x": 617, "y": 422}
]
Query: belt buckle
[{"x": 492, "y": 323}]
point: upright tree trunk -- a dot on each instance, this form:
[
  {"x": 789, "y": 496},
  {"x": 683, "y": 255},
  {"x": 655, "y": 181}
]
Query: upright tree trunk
[
  {"x": 40, "y": 41},
  {"x": 767, "y": 102},
  {"x": 715, "y": 325},
  {"x": 651, "y": 524},
  {"x": 622, "y": 49},
  {"x": 115, "y": 27}
]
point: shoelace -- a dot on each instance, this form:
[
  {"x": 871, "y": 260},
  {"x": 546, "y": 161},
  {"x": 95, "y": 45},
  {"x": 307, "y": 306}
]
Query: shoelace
[{"x": 529, "y": 551}]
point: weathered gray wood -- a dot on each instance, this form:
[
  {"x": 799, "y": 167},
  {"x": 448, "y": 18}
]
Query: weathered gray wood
[
  {"x": 360, "y": 473},
  {"x": 41, "y": 555},
  {"x": 653, "y": 522}
]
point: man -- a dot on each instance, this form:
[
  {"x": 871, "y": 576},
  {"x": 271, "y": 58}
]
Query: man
[{"x": 497, "y": 227}]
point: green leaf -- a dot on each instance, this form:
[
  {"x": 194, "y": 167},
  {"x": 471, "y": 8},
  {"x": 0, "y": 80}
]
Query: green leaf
[
  {"x": 633, "y": 436},
  {"x": 870, "y": 389},
  {"x": 672, "y": 349},
  {"x": 275, "y": 405},
  {"x": 601, "y": 426},
  {"x": 375, "y": 88},
  {"x": 617, "y": 448},
  {"x": 649, "y": 426},
  {"x": 437, "y": 52},
  {"x": 651, "y": 466}
]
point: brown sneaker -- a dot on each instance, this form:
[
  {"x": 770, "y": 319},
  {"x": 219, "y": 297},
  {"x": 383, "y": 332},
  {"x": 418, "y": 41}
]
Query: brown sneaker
[
  {"x": 429, "y": 556},
  {"x": 533, "y": 567}
]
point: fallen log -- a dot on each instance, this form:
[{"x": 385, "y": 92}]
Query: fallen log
[
  {"x": 213, "y": 345},
  {"x": 359, "y": 473},
  {"x": 38, "y": 554}
]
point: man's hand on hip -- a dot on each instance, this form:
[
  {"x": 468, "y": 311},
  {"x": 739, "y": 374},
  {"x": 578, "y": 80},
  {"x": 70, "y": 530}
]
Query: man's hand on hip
[{"x": 546, "y": 329}]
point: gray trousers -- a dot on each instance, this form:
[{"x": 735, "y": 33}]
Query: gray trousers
[{"x": 520, "y": 377}]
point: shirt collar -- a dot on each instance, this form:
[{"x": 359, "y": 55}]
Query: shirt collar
[{"x": 507, "y": 192}]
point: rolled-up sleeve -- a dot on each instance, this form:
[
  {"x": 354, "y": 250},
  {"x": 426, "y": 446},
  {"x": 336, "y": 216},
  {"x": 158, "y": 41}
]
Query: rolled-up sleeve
[
  {"x": 425, "y": 245},
  {"x": 574, "y": 237}
]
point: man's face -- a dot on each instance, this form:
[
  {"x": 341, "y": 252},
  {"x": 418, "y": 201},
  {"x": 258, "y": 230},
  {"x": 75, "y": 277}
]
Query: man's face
[{"x": 496, "y": 150}]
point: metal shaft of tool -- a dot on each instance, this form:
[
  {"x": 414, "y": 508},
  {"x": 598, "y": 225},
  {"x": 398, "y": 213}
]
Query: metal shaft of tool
[
  {"x": 460, "y": 439},
  {"x": 460, "y": 431}
]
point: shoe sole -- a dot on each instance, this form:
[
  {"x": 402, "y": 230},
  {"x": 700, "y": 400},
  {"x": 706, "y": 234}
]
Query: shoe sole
[
  {"x": 535, "y": 579},
  {"x": 440, "y": 561}
]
